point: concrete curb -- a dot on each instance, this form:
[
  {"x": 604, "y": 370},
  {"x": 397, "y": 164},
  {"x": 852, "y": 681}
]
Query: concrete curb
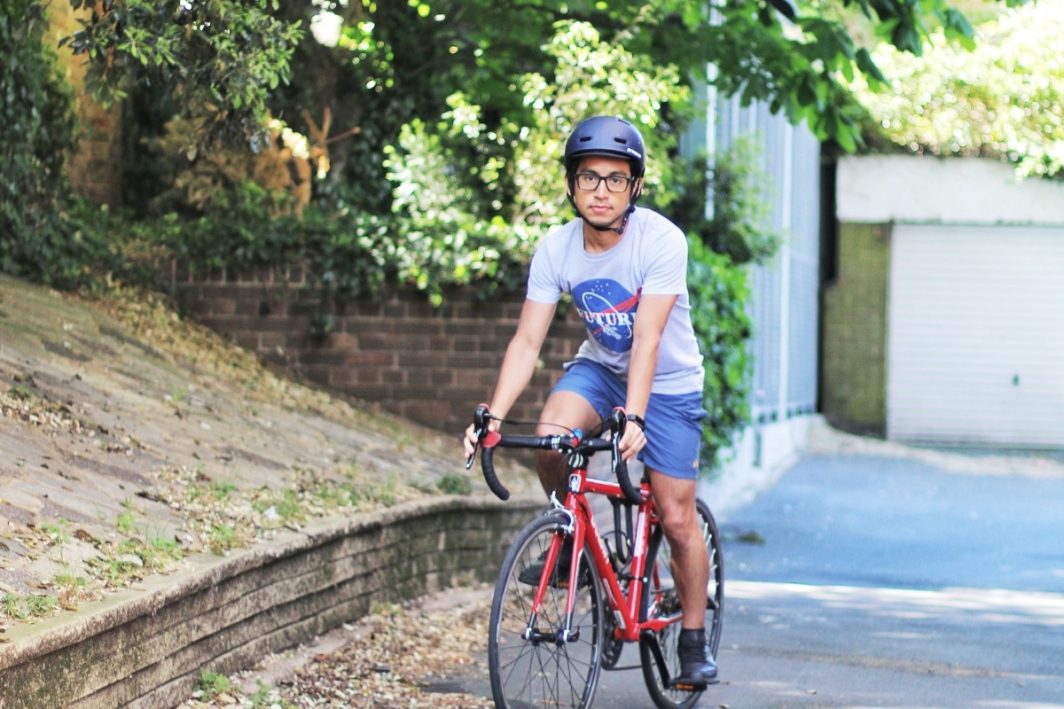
[{"x": 147, "y": 646}]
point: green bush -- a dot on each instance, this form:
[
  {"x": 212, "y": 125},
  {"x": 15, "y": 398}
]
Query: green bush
[
  {"x": 40, "y": 236},
  {"x": 719, "y": 293},
  {"x": 740, "y": 223}
]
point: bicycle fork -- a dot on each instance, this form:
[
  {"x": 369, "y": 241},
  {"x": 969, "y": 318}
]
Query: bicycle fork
[{"x": 575, "y": 532}]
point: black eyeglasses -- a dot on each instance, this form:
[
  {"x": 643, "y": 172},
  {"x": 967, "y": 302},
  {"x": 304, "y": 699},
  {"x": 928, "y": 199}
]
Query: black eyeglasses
[{"x": 589, "y": 181}]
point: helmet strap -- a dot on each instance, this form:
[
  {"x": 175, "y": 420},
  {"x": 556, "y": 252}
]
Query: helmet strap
[
  {"x": 619, "y": 229},
  {"x": 624, "y": 219}
]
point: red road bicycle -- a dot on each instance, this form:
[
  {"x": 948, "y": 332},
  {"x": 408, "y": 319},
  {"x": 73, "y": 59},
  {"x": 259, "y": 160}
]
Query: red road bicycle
[{"x": 549, "y": 638}]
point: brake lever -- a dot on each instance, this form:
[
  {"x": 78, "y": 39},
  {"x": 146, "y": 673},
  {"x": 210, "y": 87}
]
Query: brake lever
[
  {"x": 481, "y": 420},
  {"x": 476, "y": 446}
]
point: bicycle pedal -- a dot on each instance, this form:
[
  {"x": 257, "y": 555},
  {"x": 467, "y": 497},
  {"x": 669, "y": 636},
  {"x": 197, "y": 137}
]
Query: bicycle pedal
[{"x": 681, "y": 686}]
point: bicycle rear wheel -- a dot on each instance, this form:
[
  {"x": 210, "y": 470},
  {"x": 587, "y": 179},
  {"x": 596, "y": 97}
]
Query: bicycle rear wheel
[
  {"x": 657, "y": 651},
  {"x": 530, "y": 664}
]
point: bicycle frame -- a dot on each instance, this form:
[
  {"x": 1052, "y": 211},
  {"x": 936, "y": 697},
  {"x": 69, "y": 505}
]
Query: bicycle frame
[
  {"x": 536, "y": 654},
  {"x": 625, "y": 606}
]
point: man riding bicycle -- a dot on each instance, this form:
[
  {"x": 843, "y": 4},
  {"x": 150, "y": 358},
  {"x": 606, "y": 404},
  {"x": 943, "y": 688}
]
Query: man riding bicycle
[{"x": 626, "y": 269}]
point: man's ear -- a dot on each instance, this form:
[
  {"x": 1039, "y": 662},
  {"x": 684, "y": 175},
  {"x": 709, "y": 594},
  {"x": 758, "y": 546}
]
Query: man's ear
[{"x": 637, "y": 188}]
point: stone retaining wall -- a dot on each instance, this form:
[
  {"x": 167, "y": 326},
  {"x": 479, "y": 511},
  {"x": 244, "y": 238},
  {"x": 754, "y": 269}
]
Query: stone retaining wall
[{"x": 147, "y": 647}]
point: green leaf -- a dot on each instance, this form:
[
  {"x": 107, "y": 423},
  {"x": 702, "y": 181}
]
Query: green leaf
[{"x": 868, "y": 67}]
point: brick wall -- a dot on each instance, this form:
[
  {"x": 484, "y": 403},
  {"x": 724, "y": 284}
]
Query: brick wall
[
  {"x": 855, "y": 329},
  {"x": 431, "y": 365}
]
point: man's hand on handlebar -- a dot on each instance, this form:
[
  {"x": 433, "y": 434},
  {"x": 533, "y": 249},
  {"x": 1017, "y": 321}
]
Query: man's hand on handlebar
[
  {"x": 632, "y": 441},
  {"x": 469, "y": 443}
]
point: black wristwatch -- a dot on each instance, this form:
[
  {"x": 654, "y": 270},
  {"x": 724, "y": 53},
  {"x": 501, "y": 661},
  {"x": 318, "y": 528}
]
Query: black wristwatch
[{"x": 638, "y": 421}]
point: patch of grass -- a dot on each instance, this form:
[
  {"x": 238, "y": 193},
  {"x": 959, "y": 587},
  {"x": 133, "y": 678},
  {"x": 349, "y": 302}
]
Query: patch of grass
[
  {"x": 454, "y": 484},
  {"x": 267, "y": 696},
  {"x": 282, "y": 506},
  {"x": 223, "y": 538},
  {"x": 134, "y": 557},
  {"x": 65, "y": 580},
  {"x": 23, "y": 606},
  {"x": 40, "y": 604},
  {"x": 21, "y": 392},
  {"x": 333, "y": 495},
  {"x": 220, "y": 490},
  {"x": 384, "y": 493},
  {"x": 126, "y": 522},
  {"x": 71, "y": 590},
  {"x": 12, "y": 606},
  {"x": 211, "y": 684},
  {"x": 158, "y": 551},
  {"x": 57, "y": 531},
  {"x": 116, "y": 569}
]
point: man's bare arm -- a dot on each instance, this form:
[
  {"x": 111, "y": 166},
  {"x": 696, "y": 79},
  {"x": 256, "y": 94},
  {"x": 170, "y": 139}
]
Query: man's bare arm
[{"x": 519, "y": 362}]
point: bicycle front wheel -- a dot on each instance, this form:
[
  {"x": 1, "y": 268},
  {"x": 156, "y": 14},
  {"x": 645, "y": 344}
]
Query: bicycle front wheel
[
  {"x": 657, "y": 651},
  {"x": 531, "y": 660}
]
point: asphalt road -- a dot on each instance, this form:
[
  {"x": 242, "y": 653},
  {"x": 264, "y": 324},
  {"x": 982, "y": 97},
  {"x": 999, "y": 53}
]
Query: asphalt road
[{"x": 888, "y": 582}]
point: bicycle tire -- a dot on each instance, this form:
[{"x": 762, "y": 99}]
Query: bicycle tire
[
  {"x": 659, "y": 598},
  {"x": 544, "y": 672}
]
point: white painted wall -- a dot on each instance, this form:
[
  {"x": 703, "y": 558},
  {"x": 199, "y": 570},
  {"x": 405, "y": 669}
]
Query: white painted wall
[
  {"x": 976, "y": 300},
  {"x": 921, "y": 189}
]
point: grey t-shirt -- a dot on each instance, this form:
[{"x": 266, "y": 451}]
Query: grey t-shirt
[{"x": 650, "y": 259}]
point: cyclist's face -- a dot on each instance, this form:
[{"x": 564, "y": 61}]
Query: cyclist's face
[{"x": 600, "y": 206}]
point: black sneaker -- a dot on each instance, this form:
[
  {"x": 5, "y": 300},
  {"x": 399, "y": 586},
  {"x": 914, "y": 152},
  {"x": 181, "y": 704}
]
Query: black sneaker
[
  {"x": 697, "y": 668},
  {"x": 532, "y": 573}
]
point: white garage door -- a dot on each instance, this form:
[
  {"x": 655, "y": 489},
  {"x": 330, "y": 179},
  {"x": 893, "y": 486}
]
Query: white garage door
[{"x": 976, "y": 335}]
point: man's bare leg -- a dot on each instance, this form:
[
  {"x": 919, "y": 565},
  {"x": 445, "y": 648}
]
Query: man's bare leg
[
  {"x": 564, "y": 410},
  {"x": 675, "y": 498}
]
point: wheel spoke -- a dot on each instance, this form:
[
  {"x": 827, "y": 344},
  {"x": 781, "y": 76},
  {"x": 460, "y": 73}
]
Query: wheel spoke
[{"x": 540, "y": 672}]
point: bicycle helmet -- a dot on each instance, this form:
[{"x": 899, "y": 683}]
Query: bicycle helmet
[
  {"x": 611, "y": 137},
  {"x": 608, "y": 136}
]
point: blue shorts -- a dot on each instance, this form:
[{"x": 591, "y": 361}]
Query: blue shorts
[{"x": 674, "y": 421}]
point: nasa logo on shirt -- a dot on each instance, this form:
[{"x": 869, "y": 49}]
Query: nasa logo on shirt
[{"x": 608, "y": 310}]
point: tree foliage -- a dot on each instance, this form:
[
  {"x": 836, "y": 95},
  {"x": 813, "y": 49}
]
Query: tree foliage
[
  {"x": 220, "y": 60},
  {"x": 37, "y": 132},
  {"x": 1004, "y": 98},
  {"x": 450, "y": 113},
  {"x": 463, "y": 180},
  {"x": 229, "y": 54}
]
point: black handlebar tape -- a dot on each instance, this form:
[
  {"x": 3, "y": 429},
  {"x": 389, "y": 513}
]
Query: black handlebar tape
[
  {"x": 620, "y": 468},
  {"x": 487, "y": 464}
]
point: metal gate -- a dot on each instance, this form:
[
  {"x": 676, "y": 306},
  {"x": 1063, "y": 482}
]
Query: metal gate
[{"x": 784, "y": 303}]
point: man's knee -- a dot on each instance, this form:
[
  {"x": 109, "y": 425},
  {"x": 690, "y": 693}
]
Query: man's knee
[
  {"x": 678, "y": 517},
  {"x": 678, "y": 524}
]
